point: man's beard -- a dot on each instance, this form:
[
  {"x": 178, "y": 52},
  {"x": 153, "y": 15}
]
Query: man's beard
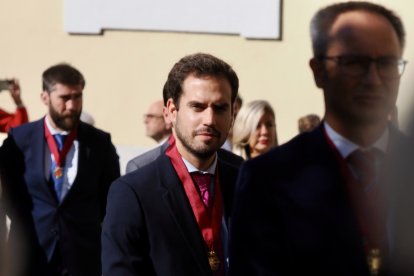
[
  {"x": 65, "y": 122},
  {"x": 203, "y": 151}
]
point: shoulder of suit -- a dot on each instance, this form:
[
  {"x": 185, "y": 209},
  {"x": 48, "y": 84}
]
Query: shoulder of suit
[
  {"x": 146, "y": 157},
  {"x": 91, "y": 130},
  {"x": 38, "y": 126},
  {"x": 303, "y": 148},
  {"x": 143, "y": 175},
  {"x": 229, "y": 158},
  {"x": 24, "y": 131}
]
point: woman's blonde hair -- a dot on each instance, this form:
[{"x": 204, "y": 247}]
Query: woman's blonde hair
[{"x": 246, "y": 123}]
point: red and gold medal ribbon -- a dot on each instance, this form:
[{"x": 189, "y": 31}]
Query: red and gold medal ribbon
[
  {"x": 59, "y": 156},
  {"x": 208, "y": 222},
  {"x": 372, "y": 232}
]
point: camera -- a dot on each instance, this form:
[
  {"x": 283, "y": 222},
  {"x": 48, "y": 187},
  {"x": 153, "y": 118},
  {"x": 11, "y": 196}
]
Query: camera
[{"x": 5, "y": 84}]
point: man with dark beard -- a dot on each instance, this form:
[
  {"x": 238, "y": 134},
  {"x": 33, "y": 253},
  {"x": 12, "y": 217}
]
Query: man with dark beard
[
  {"x": 56, "y": 176},
  {"x": 171, "y": 216}
]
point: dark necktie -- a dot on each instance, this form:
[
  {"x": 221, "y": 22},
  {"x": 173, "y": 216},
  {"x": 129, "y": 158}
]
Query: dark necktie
[
  {"x": 363, "y": 164},
  {"x": 58, "y": 181},
  {"x": 368, "y": 203},
  {"x": 203, "y": 181}
]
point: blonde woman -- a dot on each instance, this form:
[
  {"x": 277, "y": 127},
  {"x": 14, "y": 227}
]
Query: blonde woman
[{"x": 254, "y": 130}]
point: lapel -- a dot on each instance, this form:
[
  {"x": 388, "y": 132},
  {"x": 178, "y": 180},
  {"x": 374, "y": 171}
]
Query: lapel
[
  {"x": 173, "y": 195},
  {"x": 35, "y": 171},
  {"x": 329, "y": 198},
  {"x": 228, "y": 174},
  {"x": 85, "y": 165}
]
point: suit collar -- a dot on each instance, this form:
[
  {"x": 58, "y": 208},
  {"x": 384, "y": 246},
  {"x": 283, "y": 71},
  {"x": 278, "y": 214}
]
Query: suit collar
[
  {"x": 38, "y": 148},
  {"x": 338, "y": 212},
  {"x": 321, "y": 190},
  {"x": 175, "y": 198},
  {"x": 210, "y": 170},
  {"x": 84, "y": 162},
  {"x": 177, "y": 203},
  {"x": 346, "y": 146}
]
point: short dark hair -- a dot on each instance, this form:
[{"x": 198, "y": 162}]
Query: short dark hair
[
  {"x": 308, "y": 122},
  {"x": 323, "y": 20},
  {"x": 62, "y": 73},
  {"x": 199, "y": 65}
]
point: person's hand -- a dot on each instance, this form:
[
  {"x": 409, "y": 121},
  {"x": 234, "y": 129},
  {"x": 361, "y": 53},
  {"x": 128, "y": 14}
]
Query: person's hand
[{"x": 15, "y": 92}]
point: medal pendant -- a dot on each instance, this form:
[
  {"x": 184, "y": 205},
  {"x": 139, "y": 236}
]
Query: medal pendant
[
  {"x": 214, "y": 261},
  {"x": 58, "y": 172},
  {"x": 374, "y": 261}
]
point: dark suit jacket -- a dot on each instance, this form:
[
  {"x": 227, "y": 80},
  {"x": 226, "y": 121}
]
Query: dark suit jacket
[
  {"x": 292, "y": 215},
  {"x": 3, "y": 228},
  {"x": 150, "y": 228},
  {"x": 38, "y": 220},
  {"x": 146, "y": 158}
]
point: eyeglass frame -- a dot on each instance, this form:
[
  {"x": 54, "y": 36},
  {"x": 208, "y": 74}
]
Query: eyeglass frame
[{"x": 365, "y": 61}]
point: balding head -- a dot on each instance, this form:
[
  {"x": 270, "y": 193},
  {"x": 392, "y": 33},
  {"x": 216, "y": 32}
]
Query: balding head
[{"x": 157, "y": 127}]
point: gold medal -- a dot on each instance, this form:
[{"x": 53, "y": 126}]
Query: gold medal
[
  {"x": 214, "y": 261},
  {"x": 58, "y": 172},
  {"x": 374, "y": 261}
]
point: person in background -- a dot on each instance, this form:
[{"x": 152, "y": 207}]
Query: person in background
[
  {"x": 328, "y": 202},
  {"x": 171, "y": 216},
  {"x": 155, "y": 124},
  {"x": 237, "y": 105},
  {"x": 19, "y": 117},
  {"x": 308, "y": 123},
  {"x": 87, "y": 118},
  {"x": 254, "y": 130},
  {"x": 158, "y": 129},
  {"x": 56, "y": 174}
]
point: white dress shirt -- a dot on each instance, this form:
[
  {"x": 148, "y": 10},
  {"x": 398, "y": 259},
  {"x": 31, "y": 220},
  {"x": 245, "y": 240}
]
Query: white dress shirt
[{"x": 71, "y": 162}]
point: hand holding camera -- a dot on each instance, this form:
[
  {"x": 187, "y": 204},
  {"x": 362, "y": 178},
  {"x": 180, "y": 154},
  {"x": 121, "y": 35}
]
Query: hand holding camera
[
  {"x": 5, "y": 84},
  {"x": 13, "y": 86}
]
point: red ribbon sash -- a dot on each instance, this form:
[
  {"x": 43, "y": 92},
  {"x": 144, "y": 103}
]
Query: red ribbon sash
[
  {"x": 59, "y": 156},
  {"x": 208, "y": 222},
  {"x": 361, "y": 203}
]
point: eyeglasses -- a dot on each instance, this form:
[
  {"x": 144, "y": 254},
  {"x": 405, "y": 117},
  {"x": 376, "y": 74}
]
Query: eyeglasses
[
  {"x": 152, "y": 116},
  {"x": 358, "y": 66}
]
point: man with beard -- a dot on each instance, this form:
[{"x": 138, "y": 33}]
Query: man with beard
[
  {"x": 56, "y": 176},
  {"x": 326, "y": 203},
  {"x": 171, "y": 216}
]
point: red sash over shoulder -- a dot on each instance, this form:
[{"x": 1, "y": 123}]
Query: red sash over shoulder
[{"x": 209, "y": 222}]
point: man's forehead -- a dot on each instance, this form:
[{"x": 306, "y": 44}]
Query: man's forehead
[
  {"x": 361, "y": 31},
  {"x": 360, "y": 20}
]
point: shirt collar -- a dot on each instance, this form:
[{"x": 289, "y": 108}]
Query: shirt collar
[
  {"x": 346, "y": 147},
  {"x": 210, "y": 170}
]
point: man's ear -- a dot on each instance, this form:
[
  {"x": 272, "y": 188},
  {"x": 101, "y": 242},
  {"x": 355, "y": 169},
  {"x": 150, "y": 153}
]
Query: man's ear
[
  {"x": 44, "y": 96},
  {"x": 171, "y": 110},
  {"x": 167, "y": 120},
  {"x": 319, "y": 72},
  {"x": 233, "y": 117}
]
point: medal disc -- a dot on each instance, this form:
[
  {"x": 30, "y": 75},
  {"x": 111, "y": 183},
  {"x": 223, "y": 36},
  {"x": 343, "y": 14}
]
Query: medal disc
[
  {"x": 214, "y": 261},
  {"x": 58, "y": 172},
  {"x": 374, "y": 261}
]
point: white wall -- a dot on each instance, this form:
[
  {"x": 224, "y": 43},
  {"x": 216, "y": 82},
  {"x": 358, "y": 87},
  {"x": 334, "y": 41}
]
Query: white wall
[{"x": 126, "y": 70}]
